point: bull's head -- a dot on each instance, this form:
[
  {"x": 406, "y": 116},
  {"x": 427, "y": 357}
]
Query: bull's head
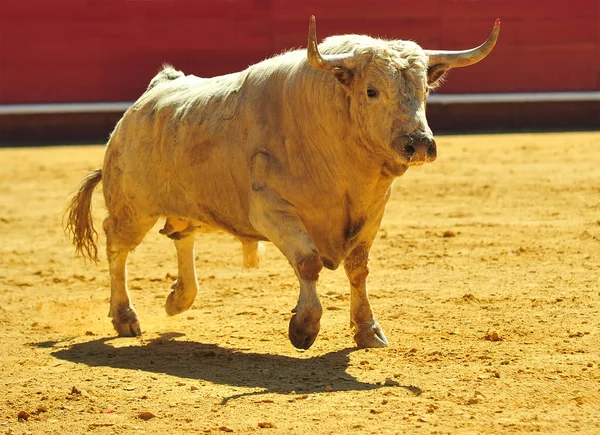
[{"x": 388, "y": 83}]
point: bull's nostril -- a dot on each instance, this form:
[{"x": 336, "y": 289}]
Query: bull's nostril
[
  {"x": 432, "y": 151},
  {"x": 409, "y": 150}
]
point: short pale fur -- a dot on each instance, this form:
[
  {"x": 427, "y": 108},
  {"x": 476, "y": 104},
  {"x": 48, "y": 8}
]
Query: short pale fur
[{"x": 279, "y": 152}]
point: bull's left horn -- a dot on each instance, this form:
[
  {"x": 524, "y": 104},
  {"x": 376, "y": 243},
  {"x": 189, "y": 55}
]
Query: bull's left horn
[
  {"x": 327, "y": 62},
  {"x": 457, "y": 59}
]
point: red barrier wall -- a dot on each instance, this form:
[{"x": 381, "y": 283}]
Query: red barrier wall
[{"x": 79, "y": 51}]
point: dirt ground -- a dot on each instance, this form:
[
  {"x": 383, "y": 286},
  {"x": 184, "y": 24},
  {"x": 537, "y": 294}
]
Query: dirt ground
[{"x": 484, "y": 277}]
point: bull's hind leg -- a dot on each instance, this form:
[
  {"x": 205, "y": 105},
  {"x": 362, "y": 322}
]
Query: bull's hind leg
[
  {"x": 123, "y": 234},
  {"x": 367, "y": 332},
  {"x": 186, "y": 287}
]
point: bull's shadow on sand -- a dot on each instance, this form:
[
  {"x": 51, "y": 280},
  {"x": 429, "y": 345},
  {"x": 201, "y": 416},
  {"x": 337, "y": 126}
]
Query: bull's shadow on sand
[{"x": 236, "y": 368}]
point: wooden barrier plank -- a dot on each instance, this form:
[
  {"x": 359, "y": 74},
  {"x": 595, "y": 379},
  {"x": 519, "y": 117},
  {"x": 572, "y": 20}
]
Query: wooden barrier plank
[
  {"x": 520, "y": 33},
  {"x": 287, "y": 34},
  {"x": 76, "y": 52},
  {"x": 518, "y": 9},
  {"x": 285, "y": 10}
]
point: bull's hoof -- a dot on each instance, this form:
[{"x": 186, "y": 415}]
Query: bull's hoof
[
  {"x": 303, "y": 333},
  {"x": 126, "y": 323},
  {"x": 370, "y": 336},
  {"x": 179, "y": 300}
]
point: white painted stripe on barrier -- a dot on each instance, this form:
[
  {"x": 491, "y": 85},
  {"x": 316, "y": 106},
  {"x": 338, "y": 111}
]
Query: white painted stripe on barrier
[
  {"x": 517, "y": 97},
  {"x": 58, "y": 108},
  {"x": 121, "y": 106}
]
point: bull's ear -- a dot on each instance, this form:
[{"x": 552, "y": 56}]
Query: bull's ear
[
  {"x": 343, "y": 75},
  {"x": 435, "y": 74}
]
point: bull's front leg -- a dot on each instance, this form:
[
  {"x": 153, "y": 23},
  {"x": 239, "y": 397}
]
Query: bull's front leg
[
  {"x": 367, "y": 332},
  {"x": 306, "y": 322},
  {"x": 277, "y": 220}
]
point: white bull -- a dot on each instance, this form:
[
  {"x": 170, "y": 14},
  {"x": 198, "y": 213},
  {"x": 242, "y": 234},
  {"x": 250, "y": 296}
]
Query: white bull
[{"x": 300, "y": 150}]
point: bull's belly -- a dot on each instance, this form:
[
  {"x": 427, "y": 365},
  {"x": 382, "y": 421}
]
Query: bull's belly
[
  {"x": 332, "y": 253},
  {"x": 197, "y": 207},
  {"x": 209, "y": 208},
  {"x": 208, "y": 203},
  {"x": 210, "y": 222},
  {"x": 176, "y": 227}
]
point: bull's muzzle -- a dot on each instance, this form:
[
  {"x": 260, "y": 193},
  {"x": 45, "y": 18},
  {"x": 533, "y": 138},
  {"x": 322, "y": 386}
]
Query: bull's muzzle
[{"x": 417, "y": 149}]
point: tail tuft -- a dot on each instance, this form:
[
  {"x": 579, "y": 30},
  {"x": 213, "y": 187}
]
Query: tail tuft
[{"x": 79, "y": 225}]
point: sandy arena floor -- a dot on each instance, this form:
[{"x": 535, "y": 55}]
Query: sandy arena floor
[{"x": 484, "y": 277}]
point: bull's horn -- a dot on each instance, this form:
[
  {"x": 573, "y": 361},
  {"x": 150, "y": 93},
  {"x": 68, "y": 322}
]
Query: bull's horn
[
  {"x": 457, "y": 59},
  {"x": 327, "y": 62}
]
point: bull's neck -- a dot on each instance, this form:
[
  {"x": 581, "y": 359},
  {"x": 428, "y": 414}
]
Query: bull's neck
[{"x": 322, "y": 135}]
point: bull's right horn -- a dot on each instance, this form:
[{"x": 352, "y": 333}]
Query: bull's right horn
[
  {"x": 457, "y": 59},
  {"x": 327, "y": 62}
]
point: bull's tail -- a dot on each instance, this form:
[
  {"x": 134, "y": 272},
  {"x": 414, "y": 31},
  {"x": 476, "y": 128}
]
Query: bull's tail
[{"x": 79, "y": 225}]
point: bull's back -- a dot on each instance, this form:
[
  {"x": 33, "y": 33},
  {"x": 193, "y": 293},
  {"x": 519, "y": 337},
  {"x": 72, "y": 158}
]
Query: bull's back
[{"x": 178, "y": 151}]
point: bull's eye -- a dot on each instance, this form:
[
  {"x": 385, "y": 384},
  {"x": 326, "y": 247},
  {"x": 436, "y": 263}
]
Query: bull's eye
[{"x": 372, "y": 93}]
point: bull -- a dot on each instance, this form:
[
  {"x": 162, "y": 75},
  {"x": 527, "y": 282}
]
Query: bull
[{"x": 300, "y": 150}]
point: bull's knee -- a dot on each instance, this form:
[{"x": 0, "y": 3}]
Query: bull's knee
[{"x": 309, "y": 267}]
